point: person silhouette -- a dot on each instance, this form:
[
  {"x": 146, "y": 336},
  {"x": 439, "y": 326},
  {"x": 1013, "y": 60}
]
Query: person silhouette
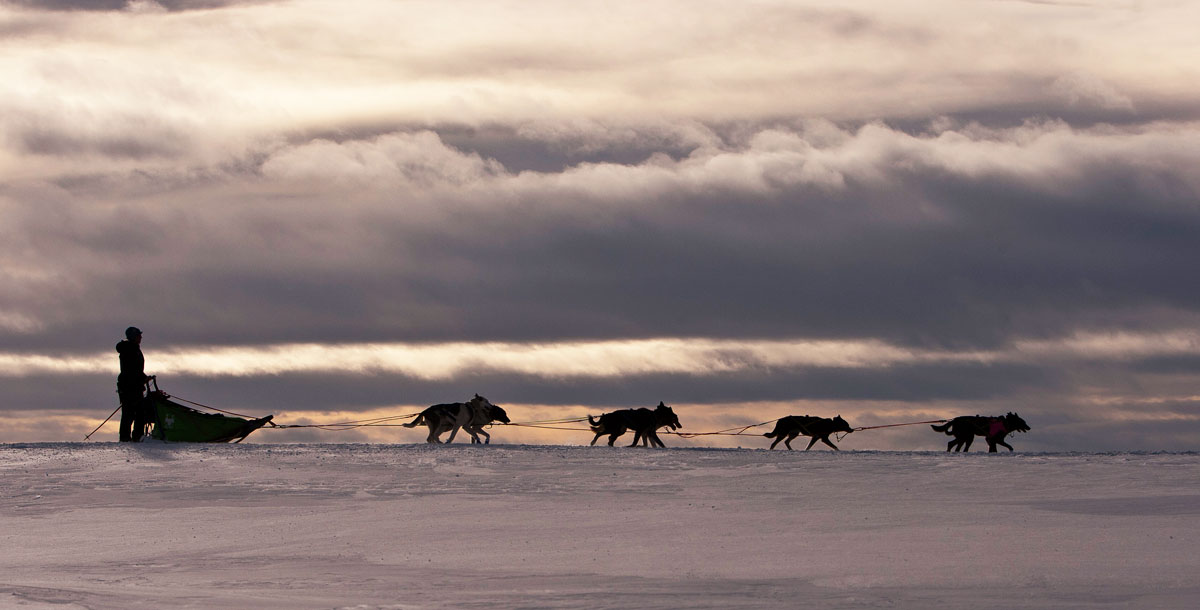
[{"x": 131, "y": 386}]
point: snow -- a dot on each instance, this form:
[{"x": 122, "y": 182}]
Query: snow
[{"x": 152, "y": 525}]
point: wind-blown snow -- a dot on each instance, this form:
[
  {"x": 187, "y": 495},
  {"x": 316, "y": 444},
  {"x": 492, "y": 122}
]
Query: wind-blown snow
[{"x": 412, "y": 526}]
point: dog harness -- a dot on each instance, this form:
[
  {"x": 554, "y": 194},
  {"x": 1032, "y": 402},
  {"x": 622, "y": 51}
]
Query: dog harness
[{"x": 996, "y": 427}]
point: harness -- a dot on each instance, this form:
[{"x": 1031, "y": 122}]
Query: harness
[{"x": 996, "y": 427}]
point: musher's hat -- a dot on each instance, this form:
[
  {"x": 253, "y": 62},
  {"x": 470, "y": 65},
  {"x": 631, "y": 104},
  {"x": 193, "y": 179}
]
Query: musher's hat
[{"x": 132, "y": 332}]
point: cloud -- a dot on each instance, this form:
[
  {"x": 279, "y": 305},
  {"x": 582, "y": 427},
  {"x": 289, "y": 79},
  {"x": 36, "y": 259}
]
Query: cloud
[
  {"x": 968, "y": 235},
  {"x": 419, "y": 159},
  {"x": 261, "y": 68},
  {"x": 1081, "y": 88}
]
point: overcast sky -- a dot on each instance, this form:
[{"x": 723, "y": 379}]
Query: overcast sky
[{"x": 328, "y": 210}]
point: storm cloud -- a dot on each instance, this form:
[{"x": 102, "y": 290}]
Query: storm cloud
[{"x": 963, "y": 238}]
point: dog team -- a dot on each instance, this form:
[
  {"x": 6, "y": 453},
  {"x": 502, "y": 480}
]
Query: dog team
[{"x": 479, "y": 412}]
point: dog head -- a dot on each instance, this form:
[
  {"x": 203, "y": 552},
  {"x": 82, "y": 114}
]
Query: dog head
[
  {"x": 664, "y": 414},
  {"x": 840, "y": 425},
  {"x": 1014, "y": 423},
  {"x": 498, "y": 414}
]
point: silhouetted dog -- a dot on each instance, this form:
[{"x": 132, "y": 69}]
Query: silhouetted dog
[
  {"x": 471, "y": 416},
  {"x": 644, "y": 423},
  {"x": 819, "y": 428},
  {"x": 964, "y": 430}
]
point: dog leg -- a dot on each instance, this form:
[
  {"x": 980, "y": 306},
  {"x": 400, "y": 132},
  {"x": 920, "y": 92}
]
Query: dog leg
[
  {"x": 637, "y": 436},
  {"x": 473, "y": 432},
  {"x": 452, "y": 429},
  {"x": 811, "y": 443},
  {"x": 825, "y": 439}
]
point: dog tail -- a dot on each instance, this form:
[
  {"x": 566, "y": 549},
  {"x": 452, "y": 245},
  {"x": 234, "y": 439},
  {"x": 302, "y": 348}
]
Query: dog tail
[
  {"x": 943, "y": 428},
  {"x": 420, "y": 419},
  {"x": 778, "y": 431},
  {"x": 596, "y": 427}
]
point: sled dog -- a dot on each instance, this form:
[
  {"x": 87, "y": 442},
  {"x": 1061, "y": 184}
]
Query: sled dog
[
  {"x": 964, "y": 429},
  {"x": 819, "y": 428},
  {"x": 471, "y": 416},
  {"x": 644, "y": 423}
]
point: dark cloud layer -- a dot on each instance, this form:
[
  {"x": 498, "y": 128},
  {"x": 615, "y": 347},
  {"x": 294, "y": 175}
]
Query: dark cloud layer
[{"x": 903, "y": 250}]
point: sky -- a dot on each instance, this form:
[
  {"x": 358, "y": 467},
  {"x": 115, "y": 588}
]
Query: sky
[{"x": 330, "y": 211}]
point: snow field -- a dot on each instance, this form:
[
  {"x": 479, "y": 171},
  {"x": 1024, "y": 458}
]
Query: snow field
[{"x": 414, "y": 526}]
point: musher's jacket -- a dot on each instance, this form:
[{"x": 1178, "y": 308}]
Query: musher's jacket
[{"x": 133, "y": 365}]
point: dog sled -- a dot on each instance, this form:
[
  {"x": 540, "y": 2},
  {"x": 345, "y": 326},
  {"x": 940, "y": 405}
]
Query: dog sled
[{"x": 176, "y": 423}]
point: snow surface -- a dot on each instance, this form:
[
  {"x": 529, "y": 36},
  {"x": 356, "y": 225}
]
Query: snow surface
[{"x": 152, "y": 525}]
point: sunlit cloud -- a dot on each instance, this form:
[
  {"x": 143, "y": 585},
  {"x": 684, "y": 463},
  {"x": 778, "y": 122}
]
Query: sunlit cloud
[
  {"x": 1115, "y": 345},
  {"x": 695, "y": 356},
  {"x": 443, "y": 361}
]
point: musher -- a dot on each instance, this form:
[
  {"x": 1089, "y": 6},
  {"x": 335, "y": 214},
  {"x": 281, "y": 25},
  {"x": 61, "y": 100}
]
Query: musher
[{"x": 131, "y": 386}]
